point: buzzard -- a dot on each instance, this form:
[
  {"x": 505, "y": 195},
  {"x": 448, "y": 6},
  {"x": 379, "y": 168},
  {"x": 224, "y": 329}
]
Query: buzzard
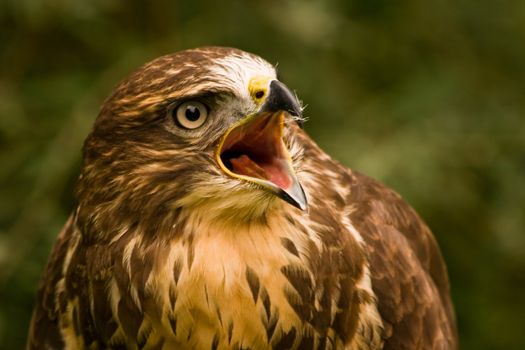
[{"x": 206, "y": 218}]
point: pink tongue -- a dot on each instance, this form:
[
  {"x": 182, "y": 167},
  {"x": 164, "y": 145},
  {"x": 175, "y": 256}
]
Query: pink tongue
[{"x": 273, "y": 172}]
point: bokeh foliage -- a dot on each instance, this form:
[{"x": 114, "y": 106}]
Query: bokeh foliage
[{"x": 427, "y": 96}]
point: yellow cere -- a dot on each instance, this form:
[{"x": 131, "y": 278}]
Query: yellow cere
[{"x": 258, "y": 87}]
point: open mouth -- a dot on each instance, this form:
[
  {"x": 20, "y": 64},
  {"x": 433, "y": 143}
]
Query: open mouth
[{"x": 254, "y": 151}]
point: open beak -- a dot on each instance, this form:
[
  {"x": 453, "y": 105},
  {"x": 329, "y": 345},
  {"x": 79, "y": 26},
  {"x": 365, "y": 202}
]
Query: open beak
[{"x": 253, "y": 150}]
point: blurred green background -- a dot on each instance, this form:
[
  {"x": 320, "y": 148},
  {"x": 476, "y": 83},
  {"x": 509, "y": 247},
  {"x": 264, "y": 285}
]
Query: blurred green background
[{"x": 427, "y": 96}]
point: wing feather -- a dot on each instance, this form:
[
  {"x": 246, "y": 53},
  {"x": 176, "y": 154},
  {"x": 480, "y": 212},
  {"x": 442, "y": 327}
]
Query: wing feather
[
  {"x": 44, "y": 332},
  {"x": 408, "y": 274}
]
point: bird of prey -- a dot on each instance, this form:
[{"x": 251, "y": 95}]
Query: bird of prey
[{"x": 207, "y": 218}]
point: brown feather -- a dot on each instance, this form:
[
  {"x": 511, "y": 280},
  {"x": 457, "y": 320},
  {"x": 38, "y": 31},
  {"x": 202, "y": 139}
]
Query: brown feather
[
  {"x": 44, "y": 332},
  {"x": 408, "y": 271}
]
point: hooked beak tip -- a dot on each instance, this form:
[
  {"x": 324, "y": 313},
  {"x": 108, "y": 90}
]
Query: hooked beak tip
[{"x": 295, "y": 196}]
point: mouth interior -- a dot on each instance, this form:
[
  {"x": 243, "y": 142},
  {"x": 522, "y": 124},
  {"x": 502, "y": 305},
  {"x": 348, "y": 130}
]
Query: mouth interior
[{"x": 256, "y": 149}]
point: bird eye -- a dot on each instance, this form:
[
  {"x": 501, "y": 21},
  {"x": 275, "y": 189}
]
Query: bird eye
[{"x": 191, "y": 114}]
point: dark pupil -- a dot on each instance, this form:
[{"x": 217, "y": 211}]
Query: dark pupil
[{"x": 192, "y": 113}]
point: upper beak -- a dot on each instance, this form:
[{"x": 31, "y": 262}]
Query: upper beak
[
  {"x": 253, "y": 149},
  {"x": 281, "y": 98}
]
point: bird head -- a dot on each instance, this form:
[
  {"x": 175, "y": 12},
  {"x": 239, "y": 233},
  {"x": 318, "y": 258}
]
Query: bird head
[{"x": 210, "y": 129}]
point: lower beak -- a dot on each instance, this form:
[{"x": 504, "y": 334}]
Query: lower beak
[{"x": 253, "y": 150}]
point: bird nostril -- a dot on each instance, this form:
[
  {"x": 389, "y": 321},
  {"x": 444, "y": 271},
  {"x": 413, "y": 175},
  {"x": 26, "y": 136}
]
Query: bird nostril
[{"x": 259, "y": 94}]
